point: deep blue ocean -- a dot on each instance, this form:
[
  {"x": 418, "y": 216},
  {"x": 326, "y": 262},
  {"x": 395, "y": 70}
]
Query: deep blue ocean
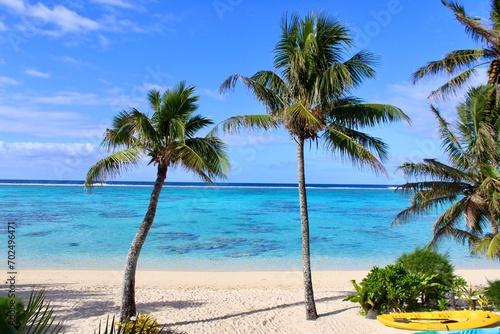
[{"x": 199, "y": 227}]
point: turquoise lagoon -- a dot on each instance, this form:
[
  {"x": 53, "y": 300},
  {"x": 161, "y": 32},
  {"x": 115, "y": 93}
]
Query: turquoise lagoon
[{"x": 241, "y": 227}]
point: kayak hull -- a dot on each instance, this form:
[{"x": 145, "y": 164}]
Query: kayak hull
[{"x": 439, "y": 320}]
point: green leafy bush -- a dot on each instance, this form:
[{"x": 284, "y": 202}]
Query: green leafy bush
[
  {"x": 426, "y": 261},
  {"x": 12, "y": 310},
  {"x": 493, "y": 293},
  {"x": 390, "y": 288}
]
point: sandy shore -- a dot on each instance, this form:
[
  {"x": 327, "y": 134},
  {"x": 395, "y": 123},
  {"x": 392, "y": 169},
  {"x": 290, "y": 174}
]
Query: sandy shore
[{"x": 213, "y": 302}]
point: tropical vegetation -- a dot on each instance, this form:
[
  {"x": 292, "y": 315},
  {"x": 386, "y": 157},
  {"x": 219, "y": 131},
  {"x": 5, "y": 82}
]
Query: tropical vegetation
[
  {"x": 308, "y": 93},
  {"x": 35, "y": 318},
  {"x": 467, "y": 189},
  {"x": 409, "y": 285},
  {"x": 167, "y": 138},
  {"x": 463, "y": 64}
]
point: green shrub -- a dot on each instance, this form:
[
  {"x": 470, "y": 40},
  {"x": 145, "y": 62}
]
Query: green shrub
[
  {"x": 390, "y": 288},
  {"x": 493, "y": 293},
  {"x": 428, "y": 262},
  {"x": 12, "y": 310}
]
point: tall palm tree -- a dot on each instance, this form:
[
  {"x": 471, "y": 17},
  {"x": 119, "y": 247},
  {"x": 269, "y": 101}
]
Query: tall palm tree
[
  {"x": 462, "y": 64},
  {"x": 167, "y": 139},
  {"x": 469, "y": 186},
  {"x": 308, "y": 94}
]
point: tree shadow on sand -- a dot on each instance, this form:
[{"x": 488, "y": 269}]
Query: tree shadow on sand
[{"x": 267, "y": 309}]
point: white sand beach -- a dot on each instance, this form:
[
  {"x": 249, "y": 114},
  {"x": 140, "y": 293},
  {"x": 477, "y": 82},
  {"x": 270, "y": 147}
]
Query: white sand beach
[{"x": 213, "y": 302}]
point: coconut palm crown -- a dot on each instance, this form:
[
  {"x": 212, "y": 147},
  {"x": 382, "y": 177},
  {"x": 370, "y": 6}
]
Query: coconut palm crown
[
  {"x": 308, "y": 93},
  {"x": 467, "y": 190},
  {"x": 167, "y": 139},
  {"x": 461, "y": 65}
]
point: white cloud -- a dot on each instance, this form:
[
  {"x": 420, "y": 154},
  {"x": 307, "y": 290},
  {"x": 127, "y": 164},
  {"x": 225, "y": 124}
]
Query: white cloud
[
  {"x": 67, "y": 20},
  {"x": 17, "y": 5},
  {"x": 35, "y": 73},
  {"x": 30, "y": 122},
  {"x": 116, "y": 3},
  {"x": 70, "y": 98},
  {"x": 30, "y": 149},
  {"x": 2, "y": 26},
  {"x": 4, "y": 81}
]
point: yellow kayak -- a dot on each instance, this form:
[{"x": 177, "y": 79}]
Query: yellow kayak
[{"x": 439, "y": 320}]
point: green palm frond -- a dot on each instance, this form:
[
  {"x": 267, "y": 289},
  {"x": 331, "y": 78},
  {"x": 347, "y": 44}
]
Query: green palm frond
[
  {"x": 423, "y": 203},
  {"x": 360, "y": 67},
  {"x": 38, "y": 317},
  {"x": 433, "y": 169},
  {"x": 236, "y": 123},
  {"x": 195, "y": 124},
  {"x": 451, "y": 143},
  {"x": 340, "y": 143},
  {"x": 453, "y": 86},
  {"x": 298, "y": 116},
  {"x": 489, "y": 246},
  {"x": 206, "y": 157},
  {"x": 473, "y": 26},
  {"x": 366, "y": 115},
  {"x": 113, "y": 165},
  {"x": 373, "y": 144},
  {"x": 453, "y": 63}
]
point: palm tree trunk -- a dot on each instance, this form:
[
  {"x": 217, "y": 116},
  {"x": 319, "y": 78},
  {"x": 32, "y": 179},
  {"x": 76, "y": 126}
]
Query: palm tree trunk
[
  {"x": 311, "y": 313},
  {"x": 128, "y": 307}
]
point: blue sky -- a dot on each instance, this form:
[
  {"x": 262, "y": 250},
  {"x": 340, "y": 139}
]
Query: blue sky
[{"x": 67, "y": 67}]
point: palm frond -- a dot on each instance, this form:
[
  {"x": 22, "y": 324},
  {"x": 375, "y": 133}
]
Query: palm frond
[
  {"x": 195, "y": 124},
  {"x": 451, "y": 143},
  {"x": 236, "y": 123},
  {"x": 373, "y": 144},
  {"x": 38, "y": 316},
  {"x": 340, "y": 143},
  {"x": 488, "y": 246},
  {"x": 365, "y": 115},
  {"x": 424, "y": 202},
  {"x": 263, "y": 94},
  {"x": 433, "y": 169},
  {"x": 113, "y": 165},
  {"x": 453, "y": 86},
  {"x": 205, "y": 157},
  {"x": 453, "y": 63},
  {"x": 297, "y": 116},
  {"x": 473, "y": 26}
]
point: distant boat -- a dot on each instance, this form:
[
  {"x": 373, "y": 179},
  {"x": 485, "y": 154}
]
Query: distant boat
[{"x": 440, "y": 320}]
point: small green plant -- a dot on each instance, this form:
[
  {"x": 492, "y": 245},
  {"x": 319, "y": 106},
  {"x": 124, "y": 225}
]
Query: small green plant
[
  {"x": 12, "y": 310},
  {"x": 471, "y": 295},
  {"x": 493, "y": 293},
  {"x": 143, "y": 323}
]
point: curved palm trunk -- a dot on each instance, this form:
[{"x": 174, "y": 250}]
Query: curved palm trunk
[
  {"x": 311, "y": 313},
  {"x": 128, "y": 308}
]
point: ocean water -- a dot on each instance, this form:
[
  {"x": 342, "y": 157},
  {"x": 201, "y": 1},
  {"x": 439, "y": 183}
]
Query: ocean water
[{"x": 199, "y": 228}]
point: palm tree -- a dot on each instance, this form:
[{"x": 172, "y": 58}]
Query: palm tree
[
  {"x": 168, "y": 139},
  {"x": 308, "y": 94},
  {"x": 462, "y": 64},
  {"x": 469, "y": 186}
]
